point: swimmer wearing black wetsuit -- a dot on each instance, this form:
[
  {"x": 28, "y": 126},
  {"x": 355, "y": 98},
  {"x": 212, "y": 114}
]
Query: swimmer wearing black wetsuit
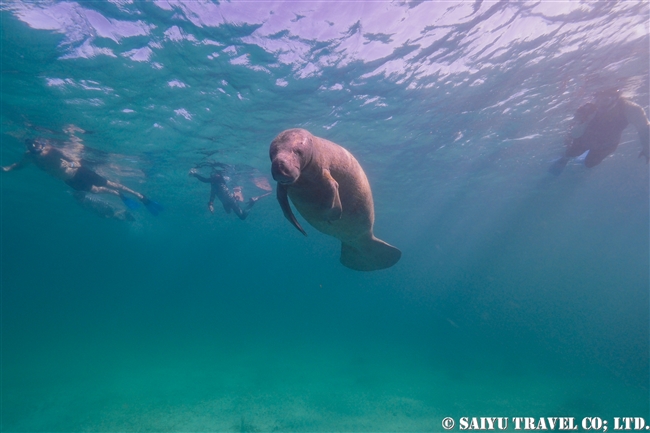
[
  {"x": 598, "y": 127},
  {"x": 220, "y": 190}
]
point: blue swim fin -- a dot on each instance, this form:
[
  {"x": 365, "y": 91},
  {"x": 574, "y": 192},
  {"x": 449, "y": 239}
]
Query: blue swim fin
[
  {"x": 129, "y": 202},
  {"x": 558, "y": 166},
  {"x": 580, "y": 160},
  {"x": 152, "y": 206}
]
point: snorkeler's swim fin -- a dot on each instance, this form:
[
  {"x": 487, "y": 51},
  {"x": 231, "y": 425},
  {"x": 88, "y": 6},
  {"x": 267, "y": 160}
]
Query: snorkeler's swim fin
[
  {"x": 558, "y": 165},
  {"x": 152, "y": 206},
  {"x": 129, "y": 202}
]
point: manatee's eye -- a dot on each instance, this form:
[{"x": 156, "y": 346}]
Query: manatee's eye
[{"x": 298, "y": 152}]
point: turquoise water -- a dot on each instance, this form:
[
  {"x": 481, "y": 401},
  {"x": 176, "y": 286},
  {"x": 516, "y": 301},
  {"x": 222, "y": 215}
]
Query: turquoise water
[{"x": 518, "y": 293}]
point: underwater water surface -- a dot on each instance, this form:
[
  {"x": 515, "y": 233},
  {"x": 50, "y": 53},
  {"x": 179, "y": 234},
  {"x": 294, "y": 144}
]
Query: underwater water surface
[{"x": 518, "y": 294}]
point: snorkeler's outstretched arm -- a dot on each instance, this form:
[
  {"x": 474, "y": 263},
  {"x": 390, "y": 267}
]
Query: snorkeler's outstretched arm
[
  {"x": 635, "y": 114},
  {"x": 18, "y": 165},
  {"x": 195, "y": 174}
]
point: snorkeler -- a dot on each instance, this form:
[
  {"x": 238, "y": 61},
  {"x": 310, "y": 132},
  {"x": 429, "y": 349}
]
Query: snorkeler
[
  {"x": 230, "y": 200},
  {"x": 70, "y": 168},
  {"x": 597, "y": 129}
]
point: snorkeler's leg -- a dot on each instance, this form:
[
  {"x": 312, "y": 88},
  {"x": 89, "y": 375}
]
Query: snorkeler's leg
[
  {"x": 152, "y": 206},
  {"x": 128, "y": 202},
  {"x": 575, "y": 147},
  {"x": 252, "y": 200},
  {"x": 596, "y": 156},
  {"x": 241, "y": 213},
  {"x": 104, "y": 190},
  {"x": 120, "y": 187}
]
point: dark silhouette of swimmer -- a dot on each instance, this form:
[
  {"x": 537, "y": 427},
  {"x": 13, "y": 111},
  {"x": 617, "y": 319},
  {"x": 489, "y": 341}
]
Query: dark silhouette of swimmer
[
  {"x": 229, "y": 199},
  {"x": 69, "y": 167},
  {"x": 597, "y": 129}
]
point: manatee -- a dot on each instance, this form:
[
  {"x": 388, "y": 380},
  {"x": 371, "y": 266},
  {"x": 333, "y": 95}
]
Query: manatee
[{"x": 330, "y": 190}]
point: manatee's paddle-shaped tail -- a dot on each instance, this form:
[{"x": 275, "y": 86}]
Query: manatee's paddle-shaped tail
[
  {"x": 283, "y": 199},
  {"x": 369, "y": 255}
]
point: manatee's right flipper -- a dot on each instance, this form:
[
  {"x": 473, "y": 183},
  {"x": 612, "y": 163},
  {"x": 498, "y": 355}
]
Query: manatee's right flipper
[
  {"x": 336, "y": 210},
  {"x": 371, "y": 255},
  {"x": 283, "y": 199}
]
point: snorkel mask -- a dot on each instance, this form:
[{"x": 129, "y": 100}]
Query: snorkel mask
[
  {"x": 606, "y": 99},
  {"x": 35, "y": 146}
]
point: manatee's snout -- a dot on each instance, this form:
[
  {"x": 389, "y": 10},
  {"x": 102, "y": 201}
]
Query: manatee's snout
[{"x": 283, "y": 171}]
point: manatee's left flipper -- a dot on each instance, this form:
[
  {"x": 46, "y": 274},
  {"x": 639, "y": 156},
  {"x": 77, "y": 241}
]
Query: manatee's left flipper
[
  {"x": 336, "y": 210},
  {"x": 283, "y": 199}
]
